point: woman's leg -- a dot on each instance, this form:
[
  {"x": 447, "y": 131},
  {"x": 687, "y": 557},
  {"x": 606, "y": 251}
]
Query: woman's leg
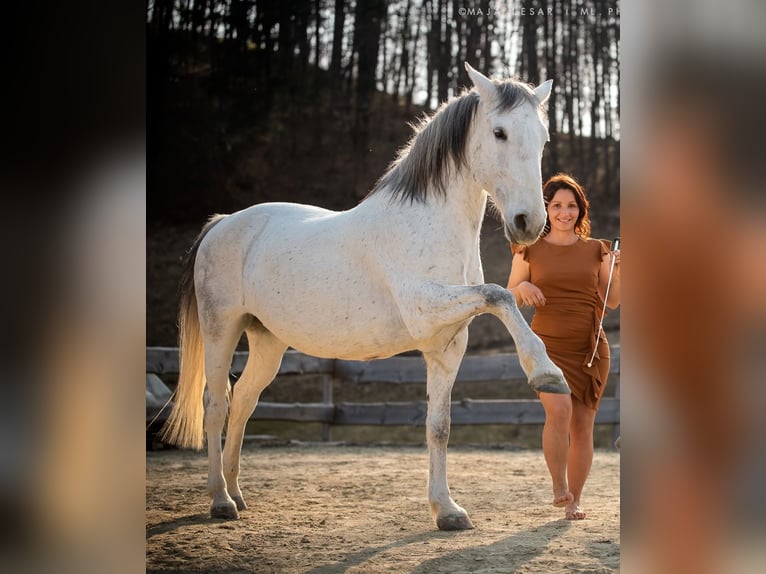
[
  {"x": 580, "y": 454},
  {"x": 558, "y": 414}
]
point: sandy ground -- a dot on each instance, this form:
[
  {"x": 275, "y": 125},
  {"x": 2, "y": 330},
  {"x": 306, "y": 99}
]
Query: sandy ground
[{"x": 363, "y": 509}]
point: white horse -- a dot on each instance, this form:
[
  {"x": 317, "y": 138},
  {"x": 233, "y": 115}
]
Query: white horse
[{"x": 401, "y": 271}]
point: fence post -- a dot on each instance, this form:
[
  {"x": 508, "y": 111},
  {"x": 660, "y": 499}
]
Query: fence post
[{"x": 327, "y": 382}]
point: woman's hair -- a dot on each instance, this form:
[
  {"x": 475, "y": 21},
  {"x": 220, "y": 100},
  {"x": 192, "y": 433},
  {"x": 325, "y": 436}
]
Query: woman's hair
[{"x": 564, "y": 181}]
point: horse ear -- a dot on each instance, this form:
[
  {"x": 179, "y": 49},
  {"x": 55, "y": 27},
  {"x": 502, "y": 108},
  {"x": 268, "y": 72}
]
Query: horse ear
[
  {"x": 543, "y": 91},
  {"x": 483, "y": 84}
]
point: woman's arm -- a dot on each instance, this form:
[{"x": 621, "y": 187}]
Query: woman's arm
[
  {"x": 603, "y": 278},
  {"x": 526, "y": 293}
]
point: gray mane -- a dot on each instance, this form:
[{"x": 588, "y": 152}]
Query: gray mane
[{"x": 424, "y": 166}]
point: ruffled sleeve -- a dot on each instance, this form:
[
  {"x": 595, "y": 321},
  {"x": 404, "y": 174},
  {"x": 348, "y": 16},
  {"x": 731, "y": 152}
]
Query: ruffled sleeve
[{"x": 605, "y": 248}]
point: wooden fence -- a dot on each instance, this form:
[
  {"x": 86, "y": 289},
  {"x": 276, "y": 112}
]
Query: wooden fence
[{"x": 504, "y": 368}]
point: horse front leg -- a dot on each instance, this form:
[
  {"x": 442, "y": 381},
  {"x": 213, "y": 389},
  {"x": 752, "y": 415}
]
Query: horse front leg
[
  {"x": 437, "y": 305},
  {"x": 442, "y": 367},
  {"x": 542, "y": 374}
]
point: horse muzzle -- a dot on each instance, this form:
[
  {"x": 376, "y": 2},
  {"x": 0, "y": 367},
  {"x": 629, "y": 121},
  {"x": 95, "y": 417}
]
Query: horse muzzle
[{"x": 522, "y": 229}]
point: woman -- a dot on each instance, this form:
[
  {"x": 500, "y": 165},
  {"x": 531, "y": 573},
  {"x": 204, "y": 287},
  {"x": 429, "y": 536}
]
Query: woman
[{"x": 564, "y": 275}]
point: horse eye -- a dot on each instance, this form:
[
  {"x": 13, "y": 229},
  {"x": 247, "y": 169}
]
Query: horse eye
[{"x": 500, "y": 134}]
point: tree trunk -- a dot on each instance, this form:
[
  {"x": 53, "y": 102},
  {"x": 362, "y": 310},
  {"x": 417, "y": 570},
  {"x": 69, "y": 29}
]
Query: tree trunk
[
  {"x": 442, "y": 53},
  {"x": 369, "y": 17},
  {"x": 337, "y": 41},
  {"x": 487, "y": 29},
  {"x": 404, "y": 57},
  {"x": 551, "y": 44}
]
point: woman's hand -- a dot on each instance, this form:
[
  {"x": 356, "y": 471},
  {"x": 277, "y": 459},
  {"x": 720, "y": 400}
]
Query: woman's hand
[
  {"x": 613, "y": 299},
  {"x": 616, "y": 255},
  {"x": 530, "y": 294}
]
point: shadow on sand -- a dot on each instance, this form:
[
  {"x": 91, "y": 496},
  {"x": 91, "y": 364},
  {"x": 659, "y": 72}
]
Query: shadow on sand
[
  {"x": 176, "y": 523},
  {"x": 513, "y": 551}
]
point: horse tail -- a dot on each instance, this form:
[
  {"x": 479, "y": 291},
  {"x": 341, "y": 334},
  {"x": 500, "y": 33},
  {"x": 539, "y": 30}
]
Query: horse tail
[{"x": 185, "y": 425}]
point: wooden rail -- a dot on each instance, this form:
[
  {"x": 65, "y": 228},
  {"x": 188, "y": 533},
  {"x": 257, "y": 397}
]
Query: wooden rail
[{"x": 504, "y": 368}]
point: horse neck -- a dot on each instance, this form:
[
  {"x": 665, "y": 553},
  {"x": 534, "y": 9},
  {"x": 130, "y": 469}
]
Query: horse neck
[
  {"x": 459, "y": 210},
  {"x": 465, "y": 203}
]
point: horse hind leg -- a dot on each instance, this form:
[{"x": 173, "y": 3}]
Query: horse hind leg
[
  {"x": 220, "y": 344},
  {"x": 265, "y": 357}
]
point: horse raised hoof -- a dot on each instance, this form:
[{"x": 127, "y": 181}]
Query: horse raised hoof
[
  {"x": 549, "y": 383},
  {"x": 454, "y": 522},
  {"x": 227, "y": 510}
]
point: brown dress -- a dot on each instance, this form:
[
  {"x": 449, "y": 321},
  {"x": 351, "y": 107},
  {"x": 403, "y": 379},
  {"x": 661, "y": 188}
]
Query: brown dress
[{"x": 567, "y": 323}]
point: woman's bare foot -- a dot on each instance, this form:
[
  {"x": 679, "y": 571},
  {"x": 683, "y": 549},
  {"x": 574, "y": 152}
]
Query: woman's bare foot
[
  {"x": 562, "y": 498},
  {"x": 574, "y": 512}
]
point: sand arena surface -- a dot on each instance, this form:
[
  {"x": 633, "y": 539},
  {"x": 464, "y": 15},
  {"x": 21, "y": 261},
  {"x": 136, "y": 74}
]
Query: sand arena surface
[{"x": 323, "y": 509}]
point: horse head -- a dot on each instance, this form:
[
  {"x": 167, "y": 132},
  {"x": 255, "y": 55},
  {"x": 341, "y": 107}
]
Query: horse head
[{"x": 506, "y": 149}]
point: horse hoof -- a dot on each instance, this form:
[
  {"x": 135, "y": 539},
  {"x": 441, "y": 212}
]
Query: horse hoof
[
  {"x": 454, "y": 522},
  {"x": 240, "y": 502},
  {"x": 549, "y": 383},
  {"x": 226, "y": 510}
]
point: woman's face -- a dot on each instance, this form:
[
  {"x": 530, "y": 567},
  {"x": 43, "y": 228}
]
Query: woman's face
[{"x": 563, "y": 210}]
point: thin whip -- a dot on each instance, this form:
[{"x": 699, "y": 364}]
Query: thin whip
[
  {"x": 162, "y": 409},
  {"x": 603, "y": 311}
]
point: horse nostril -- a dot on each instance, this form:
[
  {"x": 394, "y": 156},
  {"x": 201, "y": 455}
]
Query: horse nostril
[{"x": 520, "y": 222}]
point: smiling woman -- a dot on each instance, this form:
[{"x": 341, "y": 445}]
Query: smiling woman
[{"x": 564, "y": 276}]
